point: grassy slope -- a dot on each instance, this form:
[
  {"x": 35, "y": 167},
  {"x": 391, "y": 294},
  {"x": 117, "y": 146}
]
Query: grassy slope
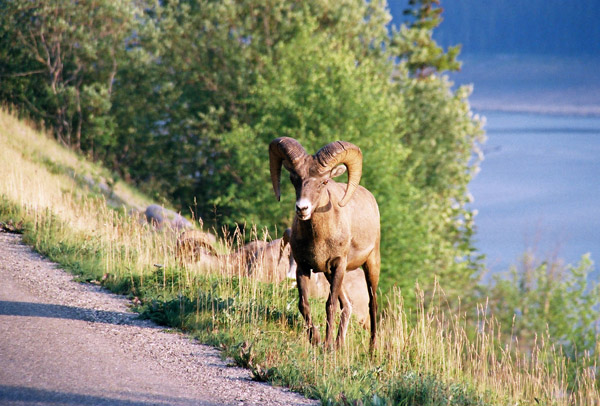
[{"x": 433, "y": 361}]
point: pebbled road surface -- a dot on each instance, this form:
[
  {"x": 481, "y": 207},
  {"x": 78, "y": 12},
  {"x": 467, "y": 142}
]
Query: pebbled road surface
[{"x": 65, "y": 343}]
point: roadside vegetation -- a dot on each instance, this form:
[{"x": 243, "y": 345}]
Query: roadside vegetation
[{"x": 428, "y": 354}]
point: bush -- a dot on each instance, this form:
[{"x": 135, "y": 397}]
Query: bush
[{"x": 547, "y": 297}]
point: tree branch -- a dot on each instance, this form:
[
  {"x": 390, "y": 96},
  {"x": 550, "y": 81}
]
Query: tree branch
[{"x": 33, "y": 72}]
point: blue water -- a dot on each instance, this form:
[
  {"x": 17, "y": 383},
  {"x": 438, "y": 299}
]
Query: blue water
[{"x": 539, "y": 188}]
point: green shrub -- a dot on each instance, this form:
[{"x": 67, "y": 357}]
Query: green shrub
[{"x": 547, "y": 297}]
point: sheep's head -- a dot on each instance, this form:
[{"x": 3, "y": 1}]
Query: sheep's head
[{"x": 310, "y": 173}]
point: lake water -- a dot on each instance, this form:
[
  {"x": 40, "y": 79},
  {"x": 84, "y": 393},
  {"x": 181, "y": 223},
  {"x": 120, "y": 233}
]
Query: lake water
[{"x": 539, "y": 185}]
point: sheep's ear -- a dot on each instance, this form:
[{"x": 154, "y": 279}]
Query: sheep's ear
[{"x": 338, "y": 170}]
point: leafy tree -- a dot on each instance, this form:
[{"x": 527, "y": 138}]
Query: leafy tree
[
  {"x": 203, "y": 59},
  {"x": 414, "y": 42},
  {"x": 72, "y": 49}
]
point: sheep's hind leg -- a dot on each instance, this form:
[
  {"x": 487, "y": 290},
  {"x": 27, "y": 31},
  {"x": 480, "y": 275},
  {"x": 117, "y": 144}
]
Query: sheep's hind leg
[
  {"x": 303, "y": 280},
  {"x": 371, "y": 268}
]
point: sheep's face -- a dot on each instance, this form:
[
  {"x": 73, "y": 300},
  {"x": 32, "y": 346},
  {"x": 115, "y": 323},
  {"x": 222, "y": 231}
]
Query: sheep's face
[{"x": 309, "y": 189}]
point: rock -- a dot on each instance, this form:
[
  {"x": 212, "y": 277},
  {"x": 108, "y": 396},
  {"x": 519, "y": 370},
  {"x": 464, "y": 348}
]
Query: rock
[{"x": 162, "y": 218}]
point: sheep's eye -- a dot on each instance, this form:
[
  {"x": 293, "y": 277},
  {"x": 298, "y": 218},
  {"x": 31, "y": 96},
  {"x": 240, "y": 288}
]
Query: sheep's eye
[{"x": 325, "y": 181}]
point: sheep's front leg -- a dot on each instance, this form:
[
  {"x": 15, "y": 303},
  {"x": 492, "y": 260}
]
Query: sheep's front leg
[
  {"x": 335, "y": 278},
  {"x": 345, "y": 319},
  {"x": 303, "y": 280}
]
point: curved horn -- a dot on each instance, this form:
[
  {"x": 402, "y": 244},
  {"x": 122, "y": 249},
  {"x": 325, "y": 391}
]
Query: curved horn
[
  {"x": 286, "y": 151},
  {"x": 342, "y": 152}
]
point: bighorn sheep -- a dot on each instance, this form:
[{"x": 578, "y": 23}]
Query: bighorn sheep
[
  {"x": 271, "y": 262},
  {"x": 266, "y": 261},
  {"x": 191, "y": 244},
  {"x": 336, "y": 227}
]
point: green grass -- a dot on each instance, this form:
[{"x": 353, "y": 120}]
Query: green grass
[{"x": 425, "y": 356}]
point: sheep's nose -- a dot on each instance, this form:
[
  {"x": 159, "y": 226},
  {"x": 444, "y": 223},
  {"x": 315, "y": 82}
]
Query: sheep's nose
[{"x": 303, "y": 207}]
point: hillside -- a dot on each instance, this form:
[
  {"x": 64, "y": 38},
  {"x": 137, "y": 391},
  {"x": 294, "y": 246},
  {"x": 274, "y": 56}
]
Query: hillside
[
  {"x": 38, "y": 172},
  {"x": 423, "y": 357}
]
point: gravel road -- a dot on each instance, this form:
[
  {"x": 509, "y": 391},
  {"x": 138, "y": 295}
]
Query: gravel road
[{"x": 67, "y": 343}]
